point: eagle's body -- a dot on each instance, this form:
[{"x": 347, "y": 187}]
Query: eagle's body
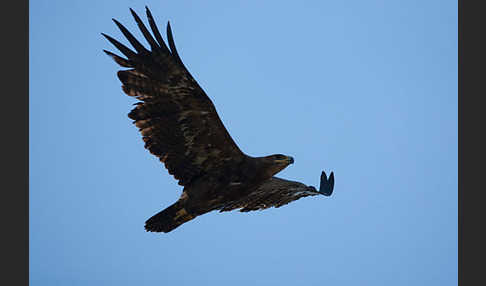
[{"x": 180, "y": 125}]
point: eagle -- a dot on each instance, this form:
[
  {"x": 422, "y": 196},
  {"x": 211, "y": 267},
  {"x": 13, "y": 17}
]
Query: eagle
[{"x": 179, "y": 124}]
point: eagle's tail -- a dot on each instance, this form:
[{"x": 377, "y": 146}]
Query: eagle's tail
[{"x": 169, "y": 219}]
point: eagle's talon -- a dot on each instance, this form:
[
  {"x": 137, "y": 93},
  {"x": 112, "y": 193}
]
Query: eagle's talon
[{"x": 327, "y": 185}]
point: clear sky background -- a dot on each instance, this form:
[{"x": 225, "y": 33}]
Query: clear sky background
[{"x": 367, "y": 89}]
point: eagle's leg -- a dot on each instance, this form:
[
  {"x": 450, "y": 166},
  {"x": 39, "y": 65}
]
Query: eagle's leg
[{"x": 327, "y": 185}]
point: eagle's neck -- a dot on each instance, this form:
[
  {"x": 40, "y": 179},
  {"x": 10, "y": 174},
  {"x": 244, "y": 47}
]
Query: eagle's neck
[{"x": 261, "y": 168}]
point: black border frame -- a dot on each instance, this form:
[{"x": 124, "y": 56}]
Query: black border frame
[
  {"x": 15, "y": 143},
  {"x": 471, "y": 23}
]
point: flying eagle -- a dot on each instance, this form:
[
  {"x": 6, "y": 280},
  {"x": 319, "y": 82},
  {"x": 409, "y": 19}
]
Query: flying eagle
[{"x": 180, "y": 125}]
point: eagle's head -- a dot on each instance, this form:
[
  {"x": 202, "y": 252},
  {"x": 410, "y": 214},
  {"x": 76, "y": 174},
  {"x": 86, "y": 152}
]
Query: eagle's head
[{"x": 276, "y": 163}]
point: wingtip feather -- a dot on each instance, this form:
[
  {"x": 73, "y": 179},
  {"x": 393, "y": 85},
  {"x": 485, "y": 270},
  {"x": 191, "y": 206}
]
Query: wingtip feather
[
  {"x": 327, "y": 184},
  {"x": 133, "y": 41},
  {"x": 155, "y": 30},
  {"x": 125, "y": 50},
  {"x": 153, "y": 44}
]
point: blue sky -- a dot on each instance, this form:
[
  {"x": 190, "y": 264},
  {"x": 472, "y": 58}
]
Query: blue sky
[{"x": 367, "y": 89}]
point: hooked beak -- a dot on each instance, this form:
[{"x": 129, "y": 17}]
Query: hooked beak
[
  {"x": 290, "y": 159},
  {"x": 287, "y": 161}
]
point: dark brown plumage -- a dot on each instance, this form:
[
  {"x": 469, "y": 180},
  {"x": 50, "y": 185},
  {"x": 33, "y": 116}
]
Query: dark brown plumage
[{"x": 179, "y": 124}]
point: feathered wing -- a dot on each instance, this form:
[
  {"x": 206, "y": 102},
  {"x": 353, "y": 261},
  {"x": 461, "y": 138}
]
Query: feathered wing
[
  {"x": 178, "y": 122},
  {"x": 275, "y": 192}
]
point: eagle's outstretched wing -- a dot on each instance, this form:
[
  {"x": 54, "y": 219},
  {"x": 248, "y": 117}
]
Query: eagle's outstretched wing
[
  {"x": 277, "y": 192},
  {"x": 178, "y": 122}
]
